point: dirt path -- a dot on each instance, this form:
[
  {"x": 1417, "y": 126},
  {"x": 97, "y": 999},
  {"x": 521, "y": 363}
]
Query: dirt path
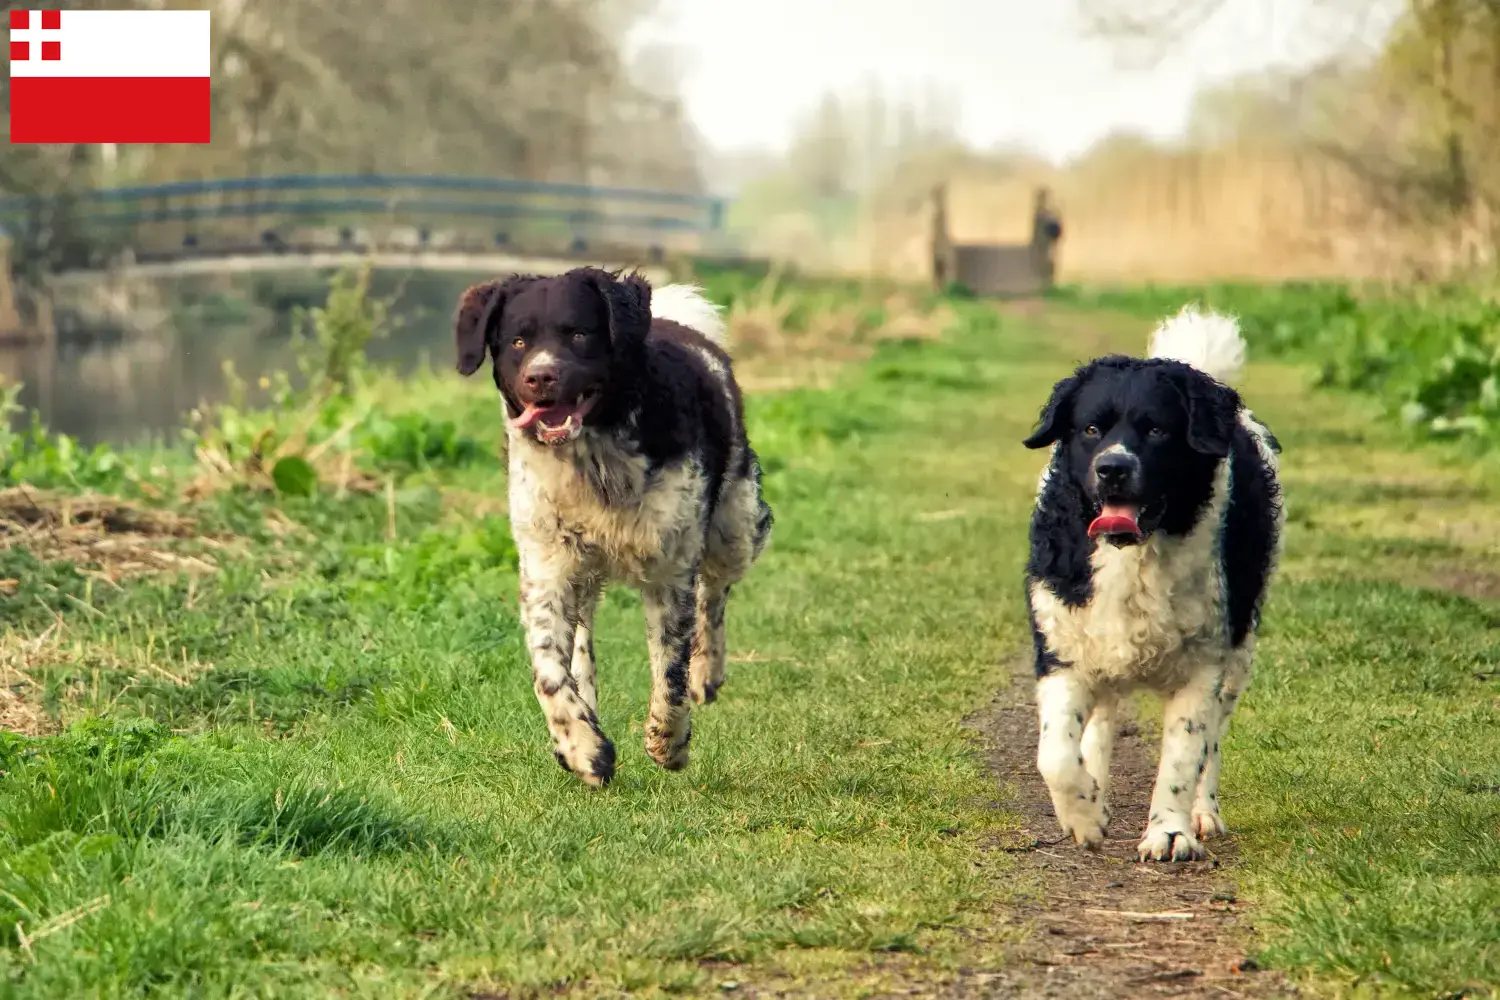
[
  {"x": 1090, "y": 925},
  {"x": 1089, "y": 938}
]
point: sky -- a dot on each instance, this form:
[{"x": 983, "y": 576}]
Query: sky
[{"x": 1023, "y": 71}]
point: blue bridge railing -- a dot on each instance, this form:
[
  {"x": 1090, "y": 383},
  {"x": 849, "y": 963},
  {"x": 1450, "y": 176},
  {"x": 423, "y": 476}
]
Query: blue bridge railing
[{"x": 273, "y": 213}]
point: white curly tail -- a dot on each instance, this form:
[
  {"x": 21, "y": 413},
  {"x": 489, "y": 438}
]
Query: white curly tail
[
  {"x": 686, "y": 304},
  {"x": 1209, "y": 341}
]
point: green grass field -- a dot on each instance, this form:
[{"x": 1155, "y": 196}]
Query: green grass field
[{"x": 321, "y": 770}]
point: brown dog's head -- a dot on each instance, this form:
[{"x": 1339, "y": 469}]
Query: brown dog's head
[{"x": 567, "y": 349}]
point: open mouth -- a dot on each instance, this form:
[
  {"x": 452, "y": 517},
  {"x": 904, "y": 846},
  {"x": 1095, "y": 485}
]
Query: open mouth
[
  {"x": 553, "y": 422},
  {"x": 1117, "y": 521}
]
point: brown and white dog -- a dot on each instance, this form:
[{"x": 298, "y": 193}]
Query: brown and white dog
[{"x": 628, "y": 461}]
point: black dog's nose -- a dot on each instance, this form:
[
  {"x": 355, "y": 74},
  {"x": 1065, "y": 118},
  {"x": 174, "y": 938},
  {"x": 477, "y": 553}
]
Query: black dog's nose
[
  {"x": 1115, "y": 469},
  {"x": 539, "y": 378}
]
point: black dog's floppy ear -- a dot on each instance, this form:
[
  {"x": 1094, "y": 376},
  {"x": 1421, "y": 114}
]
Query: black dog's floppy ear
[
  {"x": 1052, "y": 424},
  {"x": 1212, "y": 411},
  {"x": 628, "y": 302}
]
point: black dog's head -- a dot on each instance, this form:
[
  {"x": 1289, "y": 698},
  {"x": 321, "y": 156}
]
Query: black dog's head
[
  {"x": 1140, "y": 441},
  {"x": 565, "y": 348}
]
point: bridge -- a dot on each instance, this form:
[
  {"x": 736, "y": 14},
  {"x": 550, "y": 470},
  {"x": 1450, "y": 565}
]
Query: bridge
[
  {"x": 431, "y": 222},
  {"x": 105, "y": 242}
]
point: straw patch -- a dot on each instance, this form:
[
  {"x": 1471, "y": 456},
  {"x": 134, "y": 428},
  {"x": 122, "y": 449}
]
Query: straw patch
[{"x": 108, "y": 535}]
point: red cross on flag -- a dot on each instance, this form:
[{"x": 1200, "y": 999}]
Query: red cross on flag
[{"x": 109, "y": 76}]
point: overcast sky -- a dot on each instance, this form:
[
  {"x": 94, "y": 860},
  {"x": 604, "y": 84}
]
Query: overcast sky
[{"x": 1021, "y": 69}]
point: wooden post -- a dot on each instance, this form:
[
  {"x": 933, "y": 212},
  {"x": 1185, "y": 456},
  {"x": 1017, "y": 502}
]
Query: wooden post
[
  {"x": 10, "y": 317},
  {"x": 942, "y": 244},
  {"x": 1046, "y": 230}
]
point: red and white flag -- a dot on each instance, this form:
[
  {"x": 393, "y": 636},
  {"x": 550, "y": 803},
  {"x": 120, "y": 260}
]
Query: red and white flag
[{"x": 109, "y": 76}]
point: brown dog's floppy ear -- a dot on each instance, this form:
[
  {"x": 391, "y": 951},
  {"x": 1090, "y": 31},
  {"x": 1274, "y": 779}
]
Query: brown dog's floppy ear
[
  {"x": 476, "y": 311},
  {"x": 628, "y": 302}
]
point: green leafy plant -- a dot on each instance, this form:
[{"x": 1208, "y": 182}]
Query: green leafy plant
[
  {"x": 332, "y": 339},
  {"x": 307, "y": 433},
  {"x": 418, "y": 441},
  {"x": 35, "y": 456},
  {"x": 1431, "y": 353}
]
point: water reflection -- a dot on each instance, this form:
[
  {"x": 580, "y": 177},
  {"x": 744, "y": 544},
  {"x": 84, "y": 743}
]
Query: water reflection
[{"x": 120, "y": 387}]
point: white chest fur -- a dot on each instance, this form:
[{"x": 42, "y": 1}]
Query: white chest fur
[
  {"x": 625, "y": 521},
  {"x": 1156, "y": 608}
]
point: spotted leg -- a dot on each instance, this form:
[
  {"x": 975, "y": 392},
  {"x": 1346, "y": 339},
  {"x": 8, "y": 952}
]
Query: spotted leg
[
  {"x": 1207, "y": 822},
  {"x": 1190, "y": 712},
  {"x": 1099, "y": 744},
  {"x": 1063, "y": 703},
  {"x": 586, "y": 597},
  {"x": 706, "y": 669},
  {"x": 549, "y": 616},
  {"x": 671, "y": 615}
]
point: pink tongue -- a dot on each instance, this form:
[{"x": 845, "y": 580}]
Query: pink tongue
[
  {"x": 529, "y": 416},
  {"x": 1116, "y": 519}
]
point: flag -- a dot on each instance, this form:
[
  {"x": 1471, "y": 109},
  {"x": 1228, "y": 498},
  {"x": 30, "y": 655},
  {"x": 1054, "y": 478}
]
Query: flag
[{"x": 109, "y": 76}]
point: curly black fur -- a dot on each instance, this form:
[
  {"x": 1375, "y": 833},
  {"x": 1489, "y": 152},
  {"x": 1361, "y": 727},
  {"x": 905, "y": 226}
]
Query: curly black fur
[{"x": 1248, "y": 543}]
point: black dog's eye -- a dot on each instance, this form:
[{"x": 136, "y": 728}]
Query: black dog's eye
[
  {"x": 519, "y": 342},
  {"x": 1156, "y": 434},
  {"x": 1091, "y": 431},
  {"x": 580, "y": 336}
]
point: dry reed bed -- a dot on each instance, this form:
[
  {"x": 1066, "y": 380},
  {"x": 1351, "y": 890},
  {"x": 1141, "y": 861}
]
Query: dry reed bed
[
  {"x": 1180, "y": 216},
  {"x": 772, "y": 353}
]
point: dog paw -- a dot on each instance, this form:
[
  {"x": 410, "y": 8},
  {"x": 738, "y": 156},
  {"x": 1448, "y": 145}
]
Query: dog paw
[
  {"x": 1207, "y": 824},
  {"x": 1165, "y": 843},
  {"x": 707, "y": 693},
  {"x": 670, "y": 752},
  {"x": 1085, "y": 819},
  {"x": 595, "y": 766}
]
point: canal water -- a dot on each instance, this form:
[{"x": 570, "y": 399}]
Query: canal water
[{"x": 127, "y": 382}]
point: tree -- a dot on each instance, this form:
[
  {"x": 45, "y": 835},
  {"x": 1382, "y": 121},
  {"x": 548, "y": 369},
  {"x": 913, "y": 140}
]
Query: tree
[
  {"x": 537, "y": 89},
  {"x": 1418, "y": 118}
]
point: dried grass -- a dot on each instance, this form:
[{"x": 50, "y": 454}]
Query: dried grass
[
  {"x": 21, "y": 711},
  {"x": 770, "y": 355},
  {"x": 20, "y": 696},
  {"x": 109, "y": 536},
  {"x": 1183, "y": 216},
  {"x": 22, "y": 656}
]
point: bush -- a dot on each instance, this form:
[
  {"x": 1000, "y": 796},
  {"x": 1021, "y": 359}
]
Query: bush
[
  {"x": 1432, "y": 354},
  {"x": 43, "y": 459}
]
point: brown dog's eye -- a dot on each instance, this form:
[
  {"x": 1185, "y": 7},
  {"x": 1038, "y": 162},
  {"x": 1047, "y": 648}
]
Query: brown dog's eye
[
  {"x": 1091, "y": 431},
  {"x": 519, "y": 342}
]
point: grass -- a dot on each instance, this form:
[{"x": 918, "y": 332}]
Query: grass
[
  {"x": 319, "y": 769},
  {"x": 1429, "y": 353},
  {"x": 1362, "y": 772}
]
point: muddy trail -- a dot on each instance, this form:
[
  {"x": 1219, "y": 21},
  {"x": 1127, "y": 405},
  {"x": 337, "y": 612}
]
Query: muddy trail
[{"x": 1102, "y": 924}]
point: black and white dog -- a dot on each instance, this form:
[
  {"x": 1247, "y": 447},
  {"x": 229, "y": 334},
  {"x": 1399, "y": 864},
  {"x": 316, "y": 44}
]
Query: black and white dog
[
  {"x": 628, "y": 461},
  {"x": 1157, "y": 527}
]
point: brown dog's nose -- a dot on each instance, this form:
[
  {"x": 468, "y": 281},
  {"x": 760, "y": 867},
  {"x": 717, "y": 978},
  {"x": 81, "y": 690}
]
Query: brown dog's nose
[{"x": 541, "y": 378}]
